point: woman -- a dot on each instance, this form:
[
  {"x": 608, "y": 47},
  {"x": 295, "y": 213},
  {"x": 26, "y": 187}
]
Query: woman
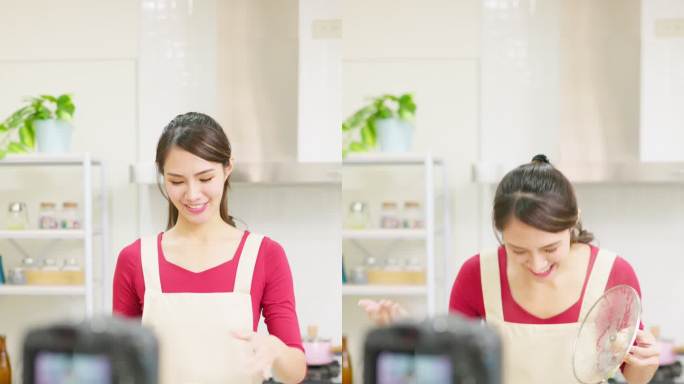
[
  {"x": 537, "y": 286},
  {"x": 202, "y": 284}
]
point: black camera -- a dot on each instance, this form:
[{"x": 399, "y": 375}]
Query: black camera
[
  {"x": 445, "y": 349},
  {"x": 105, "y": 350}
]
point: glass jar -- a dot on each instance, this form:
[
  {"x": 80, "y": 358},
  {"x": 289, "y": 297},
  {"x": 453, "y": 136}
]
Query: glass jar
[
  {"x": 17, "y": 216},
  {"x": 47, "y": 216},
  {"x": 413, "y": 217},
  {"x": 393, "y": 264},
  {"x": 371, "y": 263},
  {"x": 49, "y": 264},
  {"x": 16, "y": 276},
  {"x": 69, "y": 217},
  {"x": 358, "y": 217},
  {"x": 414, "y": 265},
  {"x": 71, "y": 265},
  {"x": 358, "y": 275},
  {"x": 389, "y": 215},
  {"x": 28, "y": 264}
]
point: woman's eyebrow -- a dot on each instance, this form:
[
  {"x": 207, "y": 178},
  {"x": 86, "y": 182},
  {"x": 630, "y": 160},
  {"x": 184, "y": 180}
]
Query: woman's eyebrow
[{"x": 196, "y": 174}]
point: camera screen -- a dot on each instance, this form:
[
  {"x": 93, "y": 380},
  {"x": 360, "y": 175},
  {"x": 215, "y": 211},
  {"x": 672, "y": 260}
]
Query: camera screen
[
  {"x": 63, "y": 368},
  {"x": 402, "y": 368}
]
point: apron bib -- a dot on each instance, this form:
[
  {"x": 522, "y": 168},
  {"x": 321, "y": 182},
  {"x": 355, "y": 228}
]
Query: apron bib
[
  {"x": 538, "y": 353},
  {"x": 194, "y": 329}
]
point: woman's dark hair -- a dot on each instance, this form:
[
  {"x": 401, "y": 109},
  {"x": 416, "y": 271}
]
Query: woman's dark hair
[
  {"x": 202, "y": 136},
  {"x": 539, "y": 195}
]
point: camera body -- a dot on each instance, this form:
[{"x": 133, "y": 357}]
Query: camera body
[
  {"x": 445, "y": 349},
  {"x": 103, "y": 350}
]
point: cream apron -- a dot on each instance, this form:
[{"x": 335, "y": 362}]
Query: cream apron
[
  {"x": 538, "y": 353},
  {"x": 194, "y": 329}
]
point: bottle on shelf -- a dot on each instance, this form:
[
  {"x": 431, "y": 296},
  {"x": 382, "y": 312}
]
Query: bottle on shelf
[
  {"x": 17, "y": 216},
  {"x": 347, "y": 377},
  {"x": 412, "y": 215},
  {"x": 47, "y": 216},
  {"x": 358, "y": 217},
  {"x": 389, "y": 215},
  {"x": 69, "y": 218},
  {"x": 5, "y": 367}
]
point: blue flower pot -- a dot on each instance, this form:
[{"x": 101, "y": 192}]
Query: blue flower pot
[
  {"x": 394, "y": 135},
  {"x": 53, "y": 136}
]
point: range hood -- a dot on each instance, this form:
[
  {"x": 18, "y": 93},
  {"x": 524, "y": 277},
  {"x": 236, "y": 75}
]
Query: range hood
[
  {"x": 577, "y": 81},
  {"x": 247, "y": 63}
]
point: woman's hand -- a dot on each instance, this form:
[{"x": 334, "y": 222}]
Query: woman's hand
[
  {"x": 267, "y": 348},
  {"x": 642, "y": 360},
  {"x": 271, "y": 354},
  {"x": 383, "y": 312}
]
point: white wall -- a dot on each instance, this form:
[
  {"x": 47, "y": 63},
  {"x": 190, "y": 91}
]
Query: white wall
[
  {"x": 70, "y": 47},
  {"x": 430, "y": 48},
  {"x": 662, "y": 80},
  {"x": 320, "y": 80}
]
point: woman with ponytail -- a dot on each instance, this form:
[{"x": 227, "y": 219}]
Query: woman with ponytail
[
  {"x": 535, "y": 287},
  {"x": 202, "y": 284}
]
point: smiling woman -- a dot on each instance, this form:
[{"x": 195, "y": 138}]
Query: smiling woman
[
  {"x": 202, "y": 284},
  {"x": 537, "y": 285}
]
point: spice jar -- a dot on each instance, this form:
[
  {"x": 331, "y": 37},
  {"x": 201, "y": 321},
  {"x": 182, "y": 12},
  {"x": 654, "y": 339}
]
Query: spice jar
[
  {"x": 71, "y": 265},
  {"x": 49, "y": 264},
  {"x": 47, "y": 216},
  {"x": 412, "y": 215},
  {"x": 17, "y": 216},
  {"x": 389, "y": 215},
  {"x": 69, "y": 217}
]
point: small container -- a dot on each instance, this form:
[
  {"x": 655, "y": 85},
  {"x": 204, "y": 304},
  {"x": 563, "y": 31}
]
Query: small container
[
  {"x": 412, "y": 215},
  {"x": 358, "y": 217},
  {"x": 16, "y": 276},
  {"x": 389, "y": 215},
  {"x": 47, "y": 216},
  {"x": 71, "y": 265},
  {"x": 69, "y": 218},
  {"x": 358, "y": 275},
  {"x": 17, "y": 216},
  {"x": 393, "y": 264},
  {"x": 49, "y": 264},
  {"x": 316, "y": 349},
  {"x": 28, "y": 263}
]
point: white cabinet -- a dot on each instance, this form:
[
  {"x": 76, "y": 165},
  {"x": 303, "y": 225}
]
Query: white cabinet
[
  {"x": 428, "y": 234},
  {"x": 87, "y": 233}
]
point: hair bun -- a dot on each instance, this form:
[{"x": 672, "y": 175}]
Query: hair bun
[{"x": 541, "y": 158}]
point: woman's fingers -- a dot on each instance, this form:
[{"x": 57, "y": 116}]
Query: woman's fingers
[{"x": 644, "y": 352}]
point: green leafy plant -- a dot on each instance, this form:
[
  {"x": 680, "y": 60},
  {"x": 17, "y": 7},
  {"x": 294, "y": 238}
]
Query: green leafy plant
[
  {"x": 17, "y": 132},
  {"x": 359, "y": 130}
]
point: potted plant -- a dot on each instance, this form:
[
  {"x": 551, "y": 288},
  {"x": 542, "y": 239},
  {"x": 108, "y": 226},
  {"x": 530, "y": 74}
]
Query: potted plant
[
  {"x": 387, "y": 120},
  {"x": 45, "y": 120}
]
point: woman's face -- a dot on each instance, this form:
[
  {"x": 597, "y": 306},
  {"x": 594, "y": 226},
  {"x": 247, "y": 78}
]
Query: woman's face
[
  {"x": 194, "y": 185},
  {"x": 538, "y": 252}
]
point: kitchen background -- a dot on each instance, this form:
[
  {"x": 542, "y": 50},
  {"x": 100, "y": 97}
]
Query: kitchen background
[
  {"x": 597, "y": 86},
  {"x": 268, "y": 71}
]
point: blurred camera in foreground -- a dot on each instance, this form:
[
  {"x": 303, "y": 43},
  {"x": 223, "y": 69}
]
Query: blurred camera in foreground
[
  {"x": 442, "y": 350},
  {"x": 104, "y": 350}
]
